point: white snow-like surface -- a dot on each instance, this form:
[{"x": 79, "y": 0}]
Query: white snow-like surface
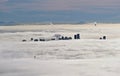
[
  {"x": 88, "y": 56},
  {"x": 86, "y": 67}
]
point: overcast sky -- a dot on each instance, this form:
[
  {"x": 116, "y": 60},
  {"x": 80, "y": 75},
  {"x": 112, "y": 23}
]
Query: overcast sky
[{"x": 60, "y": 10}]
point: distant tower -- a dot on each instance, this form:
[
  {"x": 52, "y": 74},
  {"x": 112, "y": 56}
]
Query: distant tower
[
  {"x": 104, "y": 37},
  {"x": 77, "y": 36},
  {"x": 51, "y": 23},
  {"x": 95, "y": 23}
]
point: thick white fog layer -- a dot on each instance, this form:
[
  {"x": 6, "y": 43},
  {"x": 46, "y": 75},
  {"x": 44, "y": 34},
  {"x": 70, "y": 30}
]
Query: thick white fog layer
[{"x": 87, "y": 56}]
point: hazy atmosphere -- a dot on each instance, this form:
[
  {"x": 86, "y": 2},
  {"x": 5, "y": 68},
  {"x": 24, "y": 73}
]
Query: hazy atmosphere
[
  {"x": 59, "y": 37},
  {"x": 70, "y": 11},
  {"x": 60, "y": 50}
]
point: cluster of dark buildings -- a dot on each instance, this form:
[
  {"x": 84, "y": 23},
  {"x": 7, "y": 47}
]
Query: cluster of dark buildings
[
  {"x": 77, "y": 36},
  {"x": 59, "y": 37},
  {"x": 104, "y": 38},
  {"x": 55, "y": 37}
]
